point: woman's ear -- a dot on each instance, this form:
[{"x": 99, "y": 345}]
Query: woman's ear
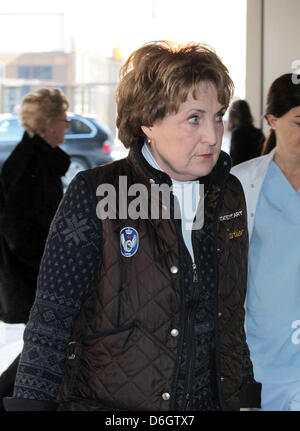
[
  {"x": 272, "y": 120},
  {"x": 147, "y": 131}
]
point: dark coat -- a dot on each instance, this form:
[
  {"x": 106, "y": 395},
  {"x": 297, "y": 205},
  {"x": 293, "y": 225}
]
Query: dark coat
[
  {"x": 246, "y": 144},
  {"x": 30, "y": 191}
]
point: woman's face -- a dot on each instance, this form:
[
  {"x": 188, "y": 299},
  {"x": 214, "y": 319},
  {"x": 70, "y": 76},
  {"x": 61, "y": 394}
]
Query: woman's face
[
  {"x": 55, "y": 133},
  {"x": 287, "y": 129},
  {"x": 186, "y": 145}
]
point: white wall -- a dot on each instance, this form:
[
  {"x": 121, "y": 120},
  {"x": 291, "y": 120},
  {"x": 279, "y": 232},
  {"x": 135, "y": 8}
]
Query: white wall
[
  {"x": 273, "y": 44},
  {"x": 253, "y": 84},
  {"x": 281, "y": 38}
]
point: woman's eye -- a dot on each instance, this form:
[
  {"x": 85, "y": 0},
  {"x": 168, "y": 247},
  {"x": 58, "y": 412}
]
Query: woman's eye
[
  {"x": 219, "y": 118},
  {"x": 194, "y": 119}
]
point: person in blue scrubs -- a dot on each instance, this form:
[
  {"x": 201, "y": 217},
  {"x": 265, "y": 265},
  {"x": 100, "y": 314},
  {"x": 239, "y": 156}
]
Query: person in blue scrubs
[{"x": 272, "y": 188}]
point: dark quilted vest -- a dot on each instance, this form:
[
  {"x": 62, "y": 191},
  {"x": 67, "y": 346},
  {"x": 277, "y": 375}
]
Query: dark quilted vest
[{"x": 122, "y": 355}]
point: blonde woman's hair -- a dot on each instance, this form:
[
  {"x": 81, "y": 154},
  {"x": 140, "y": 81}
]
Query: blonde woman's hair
[
  {"x": 40, "y": 108},
  {"x": 157, "y": 78}
]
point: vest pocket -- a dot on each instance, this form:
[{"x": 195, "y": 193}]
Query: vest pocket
[
  {"x": 87, "y": 360},
  {"x": 112, "y": 365},
  {"x": 109, "y": 332}
]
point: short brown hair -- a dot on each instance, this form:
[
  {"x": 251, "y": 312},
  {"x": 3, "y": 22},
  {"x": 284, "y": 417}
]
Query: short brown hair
[
  {"x": 158, "y": 77},
  {"x": 40, "y": 108}
]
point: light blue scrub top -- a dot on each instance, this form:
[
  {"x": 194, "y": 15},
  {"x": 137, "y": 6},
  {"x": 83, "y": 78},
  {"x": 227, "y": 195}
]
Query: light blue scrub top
[{"x": 273, "y": 298}]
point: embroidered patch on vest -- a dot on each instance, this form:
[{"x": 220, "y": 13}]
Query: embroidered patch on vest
[
  {"x": 231, "y": 216},
  {"x": 236, "y": 234},
  {"x": 129, "y": 241}
]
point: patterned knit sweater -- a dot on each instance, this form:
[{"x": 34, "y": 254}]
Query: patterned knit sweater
[{"x": 48, "y": 331}]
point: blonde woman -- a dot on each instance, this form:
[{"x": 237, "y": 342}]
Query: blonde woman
[{"x": 30, "y": 191}]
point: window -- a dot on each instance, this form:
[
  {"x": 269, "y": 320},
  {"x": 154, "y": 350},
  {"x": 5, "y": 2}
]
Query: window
[
  {"x": 24, "y": 90},
  {"x": 10, "y": 129},
  {"x": 24, "y": 72},
  {"x": 42, "y": 72},
  {"x": 35, "y": 72},
  {"x": 78, "y": 127}
]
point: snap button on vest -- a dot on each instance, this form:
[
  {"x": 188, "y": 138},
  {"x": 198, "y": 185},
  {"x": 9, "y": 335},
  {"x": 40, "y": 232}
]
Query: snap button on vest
[
  {"x": 165, "y": 396},
  {"x": 174, "y": 269},
  {"x": 174, "y": 332}
]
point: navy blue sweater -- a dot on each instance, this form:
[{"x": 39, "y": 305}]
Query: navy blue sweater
[{"x": 71, "y": 258}]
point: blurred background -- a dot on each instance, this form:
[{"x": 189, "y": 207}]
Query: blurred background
[{"x": 80, "y": 47}]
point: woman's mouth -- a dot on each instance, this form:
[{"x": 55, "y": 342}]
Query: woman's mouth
[{"x": 204, "y": 156}]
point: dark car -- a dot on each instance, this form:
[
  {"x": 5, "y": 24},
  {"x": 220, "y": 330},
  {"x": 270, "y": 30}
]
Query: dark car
[{"x": 86, "y": 141}]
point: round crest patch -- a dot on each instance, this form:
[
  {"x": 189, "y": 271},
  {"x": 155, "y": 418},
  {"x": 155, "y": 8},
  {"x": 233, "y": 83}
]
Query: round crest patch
[{"x": 129, "y": 241}]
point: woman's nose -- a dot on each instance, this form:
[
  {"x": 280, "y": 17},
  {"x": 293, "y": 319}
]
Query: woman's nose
[{"x": 209, "y": 133}]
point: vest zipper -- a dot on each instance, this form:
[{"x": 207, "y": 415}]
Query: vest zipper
[
  {"x": 188, "y": 402},
  {"x": 195, "y": 275},
  {"x": 216, "y": 329},
  {"x": 190, "y": 346}
]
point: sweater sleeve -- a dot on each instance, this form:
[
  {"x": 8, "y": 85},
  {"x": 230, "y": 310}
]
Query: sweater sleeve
[
  {"x": 250, "y": 394},
  {"x": 69, "y": 265}
]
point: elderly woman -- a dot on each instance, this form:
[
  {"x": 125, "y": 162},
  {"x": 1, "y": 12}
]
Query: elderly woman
[
  {"x": 272, "y": 189},
  {"x": 30, "y": 191},
  {"x": 145, "y": 310}
]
